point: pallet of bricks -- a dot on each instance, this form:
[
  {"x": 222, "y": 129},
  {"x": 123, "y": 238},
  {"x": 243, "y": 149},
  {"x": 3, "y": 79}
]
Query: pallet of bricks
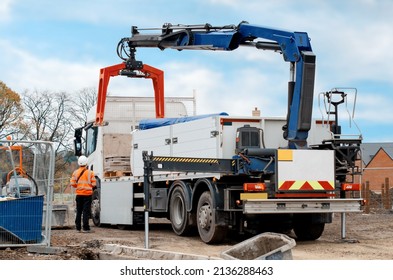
[
  {"x": 117, "y": 166},
  {"x": 117, "y": 155}
]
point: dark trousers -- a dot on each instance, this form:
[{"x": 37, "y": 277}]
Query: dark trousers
[{"x": 83, "y": 209}]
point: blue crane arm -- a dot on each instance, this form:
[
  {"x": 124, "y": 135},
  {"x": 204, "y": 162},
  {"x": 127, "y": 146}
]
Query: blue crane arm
[{"x": 294, "y": 46}]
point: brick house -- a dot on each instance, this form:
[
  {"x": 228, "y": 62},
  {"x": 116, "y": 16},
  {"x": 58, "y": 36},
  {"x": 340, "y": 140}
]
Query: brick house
[{"x": 377, "y": 164}]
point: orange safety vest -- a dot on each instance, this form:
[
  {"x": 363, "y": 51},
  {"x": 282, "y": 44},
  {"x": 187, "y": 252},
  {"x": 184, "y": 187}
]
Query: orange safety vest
[{"x": 86, "y": 182}]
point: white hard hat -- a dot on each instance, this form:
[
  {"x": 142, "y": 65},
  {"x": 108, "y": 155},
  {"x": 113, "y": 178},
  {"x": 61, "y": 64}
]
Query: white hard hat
[{"x": 82, "y": 161}]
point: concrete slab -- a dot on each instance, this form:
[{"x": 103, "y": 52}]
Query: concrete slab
[
  {"x": 45, "y": 250},
  {"x": 119, "y": 252}
]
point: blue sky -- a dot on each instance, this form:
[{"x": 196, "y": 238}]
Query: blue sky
[{"x": 61, "y": 45}]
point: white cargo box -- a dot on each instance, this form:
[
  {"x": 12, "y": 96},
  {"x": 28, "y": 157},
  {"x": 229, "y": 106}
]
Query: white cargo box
[{"x": 210, "y": 137}]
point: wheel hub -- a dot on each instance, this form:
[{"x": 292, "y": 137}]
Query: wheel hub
[
  {"x": 178, "y": 213},
  {"x": 95, "y": 208},
  {"x": 205, "y": 217}
]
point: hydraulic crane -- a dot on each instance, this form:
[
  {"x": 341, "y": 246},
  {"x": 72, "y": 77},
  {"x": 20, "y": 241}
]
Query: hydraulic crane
[{"x": 294, "y": 46}]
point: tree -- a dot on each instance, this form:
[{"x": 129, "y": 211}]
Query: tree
[
  {"x": 82, "y": 102},
  {"x": 85, "y": 99},
  {"x": 10, "y": 111},
  {"x": 49, "y": 117},
  {"x": 53, "y": 116}
]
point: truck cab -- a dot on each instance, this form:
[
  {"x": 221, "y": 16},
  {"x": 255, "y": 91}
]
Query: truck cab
[{"x": 108, "y": 147}]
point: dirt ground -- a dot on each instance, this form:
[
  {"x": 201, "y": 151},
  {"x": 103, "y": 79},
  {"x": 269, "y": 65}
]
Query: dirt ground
[{"x": 368, "y": 237}]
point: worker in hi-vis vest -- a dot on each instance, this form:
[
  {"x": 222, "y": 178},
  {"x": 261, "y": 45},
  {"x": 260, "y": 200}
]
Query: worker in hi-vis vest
[{"x": 84, "y": 181}]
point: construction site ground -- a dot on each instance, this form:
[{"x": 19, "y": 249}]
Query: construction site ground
[{"x": 368, "y": 237}]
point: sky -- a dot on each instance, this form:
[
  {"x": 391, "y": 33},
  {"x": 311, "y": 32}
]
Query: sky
[{"x": 61, "y": 45}]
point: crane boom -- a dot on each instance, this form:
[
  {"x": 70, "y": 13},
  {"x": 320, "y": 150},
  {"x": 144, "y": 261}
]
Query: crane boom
[{"x": 294, "y": 46}]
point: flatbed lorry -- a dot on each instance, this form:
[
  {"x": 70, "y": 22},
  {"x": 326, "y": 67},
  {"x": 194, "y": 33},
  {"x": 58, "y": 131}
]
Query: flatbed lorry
[{"x": 218, "y": 173}]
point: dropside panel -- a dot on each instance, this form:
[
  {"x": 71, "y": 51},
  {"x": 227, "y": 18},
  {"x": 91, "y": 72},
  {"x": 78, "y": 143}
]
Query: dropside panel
[
  {"x": 196, "y": 139},
  {"x": 156, "y": 140}
]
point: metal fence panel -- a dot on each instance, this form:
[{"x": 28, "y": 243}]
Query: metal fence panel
[{"x": 26, "y": 192}]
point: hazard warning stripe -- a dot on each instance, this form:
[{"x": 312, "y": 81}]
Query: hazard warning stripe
[
  {"x": 327, "y": 185},
  {"x": 306, "y": 186},
  {"x": 188, "y": 160}
]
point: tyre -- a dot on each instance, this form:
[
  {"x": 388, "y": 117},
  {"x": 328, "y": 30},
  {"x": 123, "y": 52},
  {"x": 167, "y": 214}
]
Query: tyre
[
  {"x": 178, "y": 212},
  {"x": 95, "y": 208},
  {"x": 208, "y": 229},
  {"x": 308, "y": 231}
]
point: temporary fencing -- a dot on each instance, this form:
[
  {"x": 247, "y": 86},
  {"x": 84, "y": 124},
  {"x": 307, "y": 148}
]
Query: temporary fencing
[{"x": 26, "y": 192}]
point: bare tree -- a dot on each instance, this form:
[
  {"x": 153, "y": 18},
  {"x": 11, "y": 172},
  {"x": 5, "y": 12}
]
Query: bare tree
[
  {"x": 85, "y": 99},
  {"x": 10, "y": 111},
  {"x": 49, "y": 117},
  {"x": 53, "y": 116}
]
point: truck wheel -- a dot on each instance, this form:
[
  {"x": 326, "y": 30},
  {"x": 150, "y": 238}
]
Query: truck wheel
[
  {"x": 178, "y": 212},
  {"x": 208, "y": 230},
  {"x": 308, "y": 231},
  {"x": 95, "y": 208}
]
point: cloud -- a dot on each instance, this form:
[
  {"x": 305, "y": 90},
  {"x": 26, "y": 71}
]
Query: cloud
[
  {"x": 90, "y": 11},
  {"x": 375, "y": 108},
  {"x": 357, "y": 53},
  {"x": 44, "y": 73},
  {"x": 229, "y": 3},
  {"x": 5, "y": 9},
  {"x": 351, "y": 36},
  {"x": 236, "y": 91},
  {"x": 350, "y": 39}
]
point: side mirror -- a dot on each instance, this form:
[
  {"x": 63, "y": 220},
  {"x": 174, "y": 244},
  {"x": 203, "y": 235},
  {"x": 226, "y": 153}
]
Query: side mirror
[{"x": 78, "y": 141}]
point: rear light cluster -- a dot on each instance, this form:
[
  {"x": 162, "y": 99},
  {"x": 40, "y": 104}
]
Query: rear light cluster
[
  {"x": 254, "y": 187},
  {"x": 350, "y": 187}
]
